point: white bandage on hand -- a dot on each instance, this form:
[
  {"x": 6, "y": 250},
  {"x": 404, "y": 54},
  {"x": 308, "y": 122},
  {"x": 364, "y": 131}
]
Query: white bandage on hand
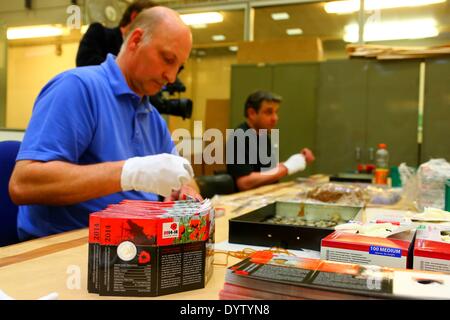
[
  {"x": 295, "y": 163},
  {"x": 158, "y": 174}
]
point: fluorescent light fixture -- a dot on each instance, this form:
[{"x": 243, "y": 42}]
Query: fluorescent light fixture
[
  {"x": 39, "y": 31},
  {"x": 199, "y": 26},
  {"x": 350, "y": 6},
  {"x": 202, "y": 18},
  {"x": 384, "y": 31},
  {"x": 218, "y": 37},
  {"x": 294, "y": 31},
  {"x": 84, "y": 28},
  {"x": 233, "y": 48},
  {"x": 280, "y": 16}
]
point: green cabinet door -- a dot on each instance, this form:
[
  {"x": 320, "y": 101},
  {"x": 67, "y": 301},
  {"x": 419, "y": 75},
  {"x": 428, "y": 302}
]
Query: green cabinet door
[
  {"x": 244, "y": 80},
  {"x": 392, "y": 109},
  {"x": 341, "y": 116},
  {"x": 436, "y": 116},
  {"x": 297, "y": 84}
]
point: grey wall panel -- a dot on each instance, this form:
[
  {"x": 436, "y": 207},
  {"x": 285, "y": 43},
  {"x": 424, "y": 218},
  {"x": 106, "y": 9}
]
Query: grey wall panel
[
  {"x": 436, "y": 118},
  {"x": 297, "y": 84},
  {"x": 341, "y": 115},
  {"x": 392, "y": 118}
]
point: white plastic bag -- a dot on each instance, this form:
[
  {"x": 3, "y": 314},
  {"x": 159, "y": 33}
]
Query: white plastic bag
[{"x": 431, "y": 178}]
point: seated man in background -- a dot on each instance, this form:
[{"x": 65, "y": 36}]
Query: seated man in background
[
  {"x": 245, "y": 164},
  {"x": 98, "y": 40},
  {"x": 94, "y": 139}
]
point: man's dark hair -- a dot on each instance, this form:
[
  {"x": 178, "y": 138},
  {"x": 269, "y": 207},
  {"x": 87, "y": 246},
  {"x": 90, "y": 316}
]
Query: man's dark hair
[
  {"x": 136, "y": 6},
  {"x": 255, "y": 100}
]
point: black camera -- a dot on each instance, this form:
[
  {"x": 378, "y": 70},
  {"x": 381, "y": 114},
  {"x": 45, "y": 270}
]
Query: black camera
[{"x": 174, "y": 107}]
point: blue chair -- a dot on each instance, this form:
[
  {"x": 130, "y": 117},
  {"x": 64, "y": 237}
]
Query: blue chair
[{"x": 8, "y": 210}]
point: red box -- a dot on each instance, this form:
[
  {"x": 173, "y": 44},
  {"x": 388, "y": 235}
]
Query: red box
[
  {"x": 395, "y": 251},
  {"x": 143, "y": 249}
]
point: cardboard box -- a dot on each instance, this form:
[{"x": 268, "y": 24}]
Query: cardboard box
[
  {"x": 394, "y": 252},
  {"x": 140, "y": 248},
  {"x": 431, "y": 251},
  {"x": 254, "y": 227}
]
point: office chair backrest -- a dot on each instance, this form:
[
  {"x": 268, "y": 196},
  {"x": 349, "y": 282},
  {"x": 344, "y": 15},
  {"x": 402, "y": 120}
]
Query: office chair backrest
[{"x": 8, "y": 210}]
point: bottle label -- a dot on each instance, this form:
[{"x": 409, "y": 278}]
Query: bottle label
[{"x": 381, "y": 176}]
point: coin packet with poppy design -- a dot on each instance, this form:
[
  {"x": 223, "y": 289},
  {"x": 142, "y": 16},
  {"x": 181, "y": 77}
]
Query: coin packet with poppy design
[{"x": 144, "y": 248}]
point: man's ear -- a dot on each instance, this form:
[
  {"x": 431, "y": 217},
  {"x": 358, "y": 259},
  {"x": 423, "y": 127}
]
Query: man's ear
[
  {"x": 251, "y": 113},
  {"x": 135, "y": 39}
]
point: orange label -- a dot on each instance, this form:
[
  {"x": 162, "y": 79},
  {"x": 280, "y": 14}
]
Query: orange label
[{"x": 381, "y": 176}]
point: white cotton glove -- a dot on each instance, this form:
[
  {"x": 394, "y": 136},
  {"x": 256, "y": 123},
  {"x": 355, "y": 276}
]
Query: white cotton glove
[
  {"x": 158, "y": 174},
  {"x": 295, "y": 163}
]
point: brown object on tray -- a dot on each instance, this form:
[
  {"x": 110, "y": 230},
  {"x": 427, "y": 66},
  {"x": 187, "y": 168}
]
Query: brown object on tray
[{"x": 337, "y": 193}]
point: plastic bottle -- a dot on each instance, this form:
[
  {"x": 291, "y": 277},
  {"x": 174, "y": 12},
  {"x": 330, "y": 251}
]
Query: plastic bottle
[{"x": 381, "y": 164}]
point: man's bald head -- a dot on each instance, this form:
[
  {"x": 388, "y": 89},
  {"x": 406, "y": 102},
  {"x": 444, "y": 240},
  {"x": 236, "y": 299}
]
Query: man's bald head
[
  {"x": 155, "y": 20},
  {"x": 156, "y": 47}
]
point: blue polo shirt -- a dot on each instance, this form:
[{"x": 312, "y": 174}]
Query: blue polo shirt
[{"x": 84, "y": 116}]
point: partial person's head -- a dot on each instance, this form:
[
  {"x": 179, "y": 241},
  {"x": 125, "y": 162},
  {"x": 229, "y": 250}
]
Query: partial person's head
[
  {"x": 133, "y": 10},
  {"x": 261, "y": 109},
  {"x": 157, "y": 45}
]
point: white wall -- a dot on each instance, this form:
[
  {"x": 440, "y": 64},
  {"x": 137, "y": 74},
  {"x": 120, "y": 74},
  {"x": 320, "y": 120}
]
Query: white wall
[{"x": 11, "y": 135}]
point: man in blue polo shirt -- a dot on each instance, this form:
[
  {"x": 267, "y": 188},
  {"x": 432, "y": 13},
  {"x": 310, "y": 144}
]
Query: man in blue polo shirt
[{"x": 94, "y": 138}]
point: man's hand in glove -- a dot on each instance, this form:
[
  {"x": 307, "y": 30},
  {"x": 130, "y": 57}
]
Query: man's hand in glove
[
  {"x": 309, "y": 156},
  {"x": 185, "y": 193},
  {"x": 298, "y": 161},
  {"x": 158, "y": 174}
]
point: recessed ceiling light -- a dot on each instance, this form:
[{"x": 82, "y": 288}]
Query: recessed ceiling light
[
  {"x": 36, "y": 31},
  {"x": 218, "y": 37},
  {"x": 199, "y": 26},
  {"x": 349, "y": 6},
  {"x": 201, "y": 18},
  {"x": 294, "y": 31},
  {"x": 280, "y": 16},
  {"x": 84, "y": 28},
  {"x": 393, "y": 30},
  {"x": 233, "y": 48}
]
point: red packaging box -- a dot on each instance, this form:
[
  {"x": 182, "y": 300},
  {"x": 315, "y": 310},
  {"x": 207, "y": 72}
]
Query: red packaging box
[
  {"x": 394, "y": 252},
  {"x": 142, "y": 249}
]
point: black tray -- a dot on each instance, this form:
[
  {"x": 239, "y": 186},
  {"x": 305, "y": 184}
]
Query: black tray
[{"x": 251, "y": 228}]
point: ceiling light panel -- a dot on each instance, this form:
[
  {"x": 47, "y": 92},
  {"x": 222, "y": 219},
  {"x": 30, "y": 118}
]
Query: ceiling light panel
[{"x": 280, "y": 16}]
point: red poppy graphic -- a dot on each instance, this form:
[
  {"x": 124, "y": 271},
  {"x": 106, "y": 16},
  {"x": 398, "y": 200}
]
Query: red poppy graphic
[
  {"x": 144, "y": 257},
  {"x": 204, "y": 233},
  {"x": 173, "y": 226},
  {"x": 194, "y": 223},
  {"x": 182, "y": 230},
  {"x": 194, "y": 235}
]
